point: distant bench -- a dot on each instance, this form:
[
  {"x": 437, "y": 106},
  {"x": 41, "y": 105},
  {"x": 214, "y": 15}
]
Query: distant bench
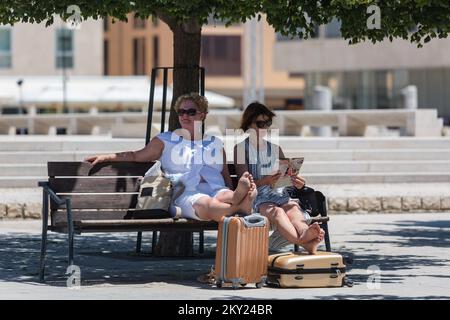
[{"x": 81, "y": 198}]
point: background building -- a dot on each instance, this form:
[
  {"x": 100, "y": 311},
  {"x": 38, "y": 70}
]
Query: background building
[
  {"x": 36, "y": 50},
  {"x": 134, "y": 48},
  {"x": 366, "y": 75}
]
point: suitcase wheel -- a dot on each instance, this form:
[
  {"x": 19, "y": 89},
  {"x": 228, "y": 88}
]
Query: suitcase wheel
[
  {"x": 259, "y": 285},
  {"x": 219, "y": 284}
]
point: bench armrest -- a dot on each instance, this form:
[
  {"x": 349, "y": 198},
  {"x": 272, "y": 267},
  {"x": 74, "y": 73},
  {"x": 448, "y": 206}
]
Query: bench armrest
[{"x": 51, "y": 193}]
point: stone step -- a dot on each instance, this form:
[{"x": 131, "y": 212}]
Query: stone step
[
  {"x": 38, "y": 157},
  {"x": 375, "y": 166},
  {"x": 311, "y": 167},
  {"x": 372, "y": 155},
  {"x": 311, "y": 179},
  {"x": 69, "y": 143},
  {"x": 346, "y": 143},
  {"x": 99, "y": 144},
  {"x": 392, "y": 177}
]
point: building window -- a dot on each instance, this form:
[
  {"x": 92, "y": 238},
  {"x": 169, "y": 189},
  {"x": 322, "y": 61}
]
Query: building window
[
  {"x": 333, "y": 29},
  {"x": 221, "y": 55},
  {"x": 5, "y": 48},
  {"x": 280, "y": 37},
  {"x": 105, "y": 57},
  {"x": 64, "y": 48},
  {"x": 139, "y": 23},
  {"x": 155, "y": 51},
  {"x": 139, "y": 56},
  {"x": 105, "y": 24}
]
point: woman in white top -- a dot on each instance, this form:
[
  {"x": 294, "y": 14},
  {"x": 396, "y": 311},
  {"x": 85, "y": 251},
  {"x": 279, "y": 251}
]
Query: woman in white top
[
  {"x": 196, "y": 161},
  {"x": 259, "y": 157}
]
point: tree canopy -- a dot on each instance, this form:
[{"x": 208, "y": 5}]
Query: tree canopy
[{"x": 427, "y": 18}]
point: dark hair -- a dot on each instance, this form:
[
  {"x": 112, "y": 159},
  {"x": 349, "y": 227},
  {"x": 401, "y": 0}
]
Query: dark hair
[{"x": 252, "y": 111}]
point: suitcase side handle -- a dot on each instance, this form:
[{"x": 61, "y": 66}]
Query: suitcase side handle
[{"x": 254, "y": 220}]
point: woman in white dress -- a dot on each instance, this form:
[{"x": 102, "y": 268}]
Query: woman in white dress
[{"x": 196, "y": 161}]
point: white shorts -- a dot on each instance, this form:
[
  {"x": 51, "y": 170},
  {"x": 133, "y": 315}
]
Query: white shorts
[{"x": 188, "y": 198}]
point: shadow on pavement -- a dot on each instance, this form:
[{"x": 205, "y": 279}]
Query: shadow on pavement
[
  {"x": 103, "y": 259},
  {"x": 380, "y": 297},
  {"x": 411, "y": 234}
]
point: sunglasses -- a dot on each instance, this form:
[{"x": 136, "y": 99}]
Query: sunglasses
[
  {"x": 263, "y": 124},
  {"x": 190, "y": 112}
]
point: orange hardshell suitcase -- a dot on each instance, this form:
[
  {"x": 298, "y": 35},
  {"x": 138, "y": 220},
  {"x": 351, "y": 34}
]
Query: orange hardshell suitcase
[{"x": 242, "y": 250}]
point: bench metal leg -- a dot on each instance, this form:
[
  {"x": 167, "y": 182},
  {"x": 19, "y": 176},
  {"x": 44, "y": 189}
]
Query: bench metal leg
[
  {"x": 327, "y": 236},
  {"x": 296, "y": 248},
  {"x": 71, "y": 231},
  {"x": 154, "y": 240},
  {"x": 139, "y": 242},
  {"x": 44, "y": 236},
  {"x": 201, "y": 242}
]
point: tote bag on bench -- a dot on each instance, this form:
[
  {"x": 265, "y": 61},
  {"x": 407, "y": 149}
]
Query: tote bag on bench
[{"x": 156, "y": 191}]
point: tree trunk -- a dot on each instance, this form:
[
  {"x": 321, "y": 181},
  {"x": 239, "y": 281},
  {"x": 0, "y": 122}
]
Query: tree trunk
[{"x": 186, "y": 53}]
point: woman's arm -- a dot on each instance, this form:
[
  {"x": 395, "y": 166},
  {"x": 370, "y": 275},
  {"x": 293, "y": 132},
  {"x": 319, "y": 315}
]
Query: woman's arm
[
  {"x": 151, "y": 152},
  {"x": 241, "y": 168}
]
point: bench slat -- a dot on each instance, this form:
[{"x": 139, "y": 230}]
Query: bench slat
[
  {"x": 99, "y": 201},
  {"x": 145, "y": 225},
  {"x": 94, "y": 185},
  {"x": 60, "y": 217},
  {"x": 71, "y": 169}
]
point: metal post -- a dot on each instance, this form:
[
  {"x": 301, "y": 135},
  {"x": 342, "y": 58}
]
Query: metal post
[
  {"x": 71, "y": 231},
  {"x": 44, "y": 235},
  {"x": 164, "y": 101},
  {"x": 139, "y": 242},
  {"x": 150, "y": 106},
  {"x": 154, "y": 240},
  {"x": 20, "y": 83},
  {"x": 201, "y": 242}
]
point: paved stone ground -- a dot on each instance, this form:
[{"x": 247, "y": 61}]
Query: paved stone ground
[{"x": 411, "y": 250}]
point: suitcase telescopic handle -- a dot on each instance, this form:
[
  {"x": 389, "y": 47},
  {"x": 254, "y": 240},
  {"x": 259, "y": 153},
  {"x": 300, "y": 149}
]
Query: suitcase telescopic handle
[{"x": 254, "y": 220}]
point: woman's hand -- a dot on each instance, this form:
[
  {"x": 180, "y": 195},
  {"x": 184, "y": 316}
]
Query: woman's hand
[
  {"x": 98, "y": 158},
  {"x": 268, "y": 180},
  {"x": 298, "y": 181}
]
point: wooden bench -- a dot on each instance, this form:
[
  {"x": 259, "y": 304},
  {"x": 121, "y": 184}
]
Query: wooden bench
[{"x": 81, "y": 198}]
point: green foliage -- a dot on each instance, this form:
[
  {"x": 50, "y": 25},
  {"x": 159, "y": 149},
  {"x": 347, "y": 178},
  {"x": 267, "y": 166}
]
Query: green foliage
[{"x": 289, "y": 17}]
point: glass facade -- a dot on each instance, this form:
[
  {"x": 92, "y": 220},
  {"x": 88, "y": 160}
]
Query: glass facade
[
  {"x": 5, "y": 48},
  {"x": 380, "y": 89}
]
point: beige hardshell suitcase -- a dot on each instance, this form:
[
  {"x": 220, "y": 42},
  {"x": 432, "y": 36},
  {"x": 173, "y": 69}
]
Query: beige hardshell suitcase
[
  {"x": 242, "y": 251},
  {"x": 302, "y": 270}
]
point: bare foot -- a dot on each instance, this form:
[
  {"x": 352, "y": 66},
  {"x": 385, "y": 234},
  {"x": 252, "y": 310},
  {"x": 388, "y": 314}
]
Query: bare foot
[
  {"x": 312, "y": 245},
  {"x": 242, "y": 189},
  {"x": 246, "y": 206},
  {"x": 311, "y": 233}
]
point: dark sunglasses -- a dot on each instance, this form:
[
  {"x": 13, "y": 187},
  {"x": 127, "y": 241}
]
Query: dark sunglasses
[
  {"x": 189, "y": 112},
  {"x": 263, "y": 124}
]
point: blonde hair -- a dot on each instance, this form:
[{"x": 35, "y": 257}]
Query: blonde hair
[{"x": 200, "y": 101}]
